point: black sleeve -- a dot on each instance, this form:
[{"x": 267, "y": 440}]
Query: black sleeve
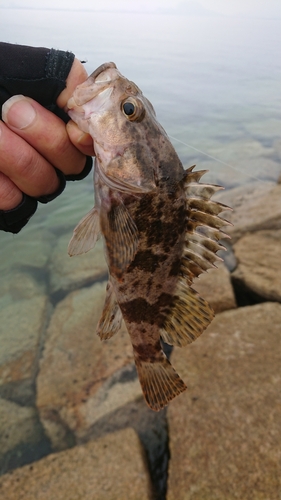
[{"x": 41, "y": 74}]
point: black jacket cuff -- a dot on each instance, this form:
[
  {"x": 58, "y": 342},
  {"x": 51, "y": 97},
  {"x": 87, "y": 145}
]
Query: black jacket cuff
[{"x": 12, "y": 221}]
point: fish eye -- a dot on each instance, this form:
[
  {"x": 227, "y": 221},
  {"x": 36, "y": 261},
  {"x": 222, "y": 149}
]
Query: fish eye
[
  {"x": 133, "y": 109},
  {"x": 128, "y": 108}
]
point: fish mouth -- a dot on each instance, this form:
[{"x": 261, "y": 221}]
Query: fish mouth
[
  {"x": 96, "y": 84},
  {"x": 103, "y": 67}
]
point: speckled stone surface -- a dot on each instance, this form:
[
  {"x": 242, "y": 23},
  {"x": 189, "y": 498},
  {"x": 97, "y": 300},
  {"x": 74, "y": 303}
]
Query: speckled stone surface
[
  {"x": 215, "y": 287},
  {"x": 259, "y": 255},
  {"x": 76, "y": 366},
  {"x": 225, "y": 430},
  {"x": 111, "y": 468}
]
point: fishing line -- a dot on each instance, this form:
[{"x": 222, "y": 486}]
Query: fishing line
[{"x": 216, "y": 159}]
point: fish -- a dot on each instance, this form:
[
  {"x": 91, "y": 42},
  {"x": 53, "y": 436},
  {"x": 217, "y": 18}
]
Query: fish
[{"x": 160, "y": 228}]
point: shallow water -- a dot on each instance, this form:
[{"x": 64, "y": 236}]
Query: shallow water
[{"x": 215, "y": 86}]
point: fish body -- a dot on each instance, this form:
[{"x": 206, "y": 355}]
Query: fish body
[{"x": 158, "y": 222}]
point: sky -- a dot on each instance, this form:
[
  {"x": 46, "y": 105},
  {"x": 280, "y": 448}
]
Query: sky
[{"x": 244, "y": 8}]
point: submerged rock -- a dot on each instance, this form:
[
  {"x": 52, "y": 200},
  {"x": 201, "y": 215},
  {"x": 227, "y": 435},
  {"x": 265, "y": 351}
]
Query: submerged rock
[
  {"x": 30, "y": 249},
  {"x": 22, "y": 324},
  {"x": 69, "y": 273},
  {"x": 18, "y": 285},
  {"x": 225, "y": 430},
  {"x": 20, "y": 430},
  {"x": 112, "y": 467},
  {"x": 256, "y": 206}
]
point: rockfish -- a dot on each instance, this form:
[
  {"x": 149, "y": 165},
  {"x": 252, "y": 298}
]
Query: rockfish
[{"x": 159, "y": 225}]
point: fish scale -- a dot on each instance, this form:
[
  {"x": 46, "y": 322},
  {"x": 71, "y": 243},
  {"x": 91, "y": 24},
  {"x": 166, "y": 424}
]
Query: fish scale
[{"x": 160, "y": 227}]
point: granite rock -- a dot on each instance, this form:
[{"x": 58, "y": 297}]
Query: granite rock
[
  {"x": 225, "y": 430},
  {"x": 256, "y": 206},
  {"x": 19, "y": 429},
  {"x": 31, "y": 249},
  {"x": 21, "y": 327},
  {"x": 80, "y": 377},
  {"x": 18, "y": 285},
  {"x": 259, "y": 269},
  {"x": 215, "y": 287},
  {"x": 110, "y": 468},
  {"x": 16, "y": 424}
]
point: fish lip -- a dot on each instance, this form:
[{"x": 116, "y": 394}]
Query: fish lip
[
  {"x": 78, "y": 98},
  {"x": 102, "y": 68}
]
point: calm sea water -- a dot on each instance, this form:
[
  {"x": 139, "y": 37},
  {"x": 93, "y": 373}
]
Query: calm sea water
[{"x": 215, "y": 85}]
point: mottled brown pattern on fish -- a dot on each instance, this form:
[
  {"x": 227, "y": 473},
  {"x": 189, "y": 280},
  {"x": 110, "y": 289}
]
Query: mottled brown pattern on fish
[
  {"x": 161, "y": 223},
  {"x": 149, "y": 352}
]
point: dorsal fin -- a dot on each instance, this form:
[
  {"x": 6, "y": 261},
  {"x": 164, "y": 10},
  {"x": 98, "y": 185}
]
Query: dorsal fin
[
  {"x": 203, "y": 225},
  {"x": 189, "y": 314}
]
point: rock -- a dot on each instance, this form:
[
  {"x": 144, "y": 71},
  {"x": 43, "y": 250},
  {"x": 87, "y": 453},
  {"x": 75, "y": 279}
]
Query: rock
[
  {"x": 22, "y": 324},
  {"x": 215, "y": 286},
  {"x": 19, "y": 429},
  {"x": 31, "y": 249},
  {"x": 255, "y": 207},
  {"x": 18, "y": 285},
  {"x": 225, "y": 430},
  {"x": 112, "y": 468},
  {"x": 259, "y": 269},
  {"x": 247, "y": 171},
  {"x": 151, "y": 427},
  {"x": 16, "y": 423},
  {"x": 244, "y": 160},
  {"x": 64, "y": 213},
  {"x": 74, "y": 385},
  {"x": 21, "y": 392},
  {"x": 69, "y": 273}
]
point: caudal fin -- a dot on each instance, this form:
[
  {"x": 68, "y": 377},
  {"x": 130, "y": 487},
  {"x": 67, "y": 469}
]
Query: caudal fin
[{"x": 159, "y": 382}]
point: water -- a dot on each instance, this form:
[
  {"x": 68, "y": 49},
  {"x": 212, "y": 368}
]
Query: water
[
  {"x": 215, "y": 85},
  {"x": 214, "y": 82}
]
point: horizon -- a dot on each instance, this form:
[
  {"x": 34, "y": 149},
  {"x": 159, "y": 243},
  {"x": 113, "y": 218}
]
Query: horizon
[{"x": 270, "y": 9}]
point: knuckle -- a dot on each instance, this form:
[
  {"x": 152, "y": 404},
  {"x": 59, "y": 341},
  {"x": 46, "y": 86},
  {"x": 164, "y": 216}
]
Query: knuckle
[{"x": 27, "y": 161}]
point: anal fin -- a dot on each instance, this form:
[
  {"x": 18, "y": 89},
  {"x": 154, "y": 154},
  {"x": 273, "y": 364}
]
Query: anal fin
[
  {"x": 188, "y": 317},
  {"x": 111, "y": 318}
]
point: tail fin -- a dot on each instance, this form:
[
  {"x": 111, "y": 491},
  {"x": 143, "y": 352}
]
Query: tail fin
[{"x": 159, "y": 382}]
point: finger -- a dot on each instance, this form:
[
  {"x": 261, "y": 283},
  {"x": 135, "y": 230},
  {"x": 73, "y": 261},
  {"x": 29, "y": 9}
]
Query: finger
[
  {"x": 24, "y": 166},
  {"x": 44, "y": 131},
  {"x": 77, "y": 75},
  {"x": 81, "y": 140},
  {"x": 10, "y": 195}
]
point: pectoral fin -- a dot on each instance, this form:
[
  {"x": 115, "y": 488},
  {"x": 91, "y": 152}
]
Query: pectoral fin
[
  {"x": 121, "y": 235},
  {"x": 86, "y": 234},
  {"x": 111, "y": 318}
]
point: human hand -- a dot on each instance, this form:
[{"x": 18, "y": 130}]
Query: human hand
[{"x": 34, "y": 140}]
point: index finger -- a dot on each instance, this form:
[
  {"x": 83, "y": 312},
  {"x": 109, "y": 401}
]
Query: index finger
[{"x": 44, "y": 131}]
